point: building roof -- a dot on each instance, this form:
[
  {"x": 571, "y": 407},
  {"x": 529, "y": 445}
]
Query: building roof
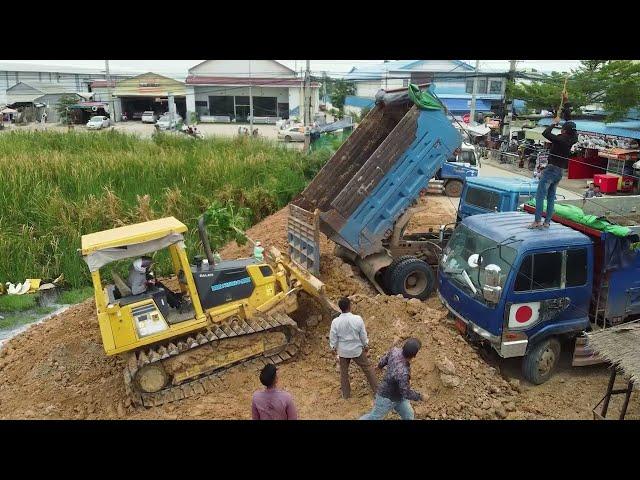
[
  {"x": 45, "y": 88},
  {"x": 275, "y": 61},
  {"x": 502, "y": 226},
  {"x": 253, "y": 81},
  {"x": 34, "y": 67},
  {"x": 358, "y": 102},
  {"x": 619, "y": 345},
  {"x": 377, "y": 71},
  {"x": 591, "y": 126}
]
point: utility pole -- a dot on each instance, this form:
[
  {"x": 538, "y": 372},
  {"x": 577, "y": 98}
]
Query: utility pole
[
  {"x": 506, "y": 130},
  {"x": 250, "y": 103},
  {"x": 474, "y": 94},
  {"x": 170, "y": 105},
  {"x": 324, "y": 87},
  {"x": 111, "y": 111},
  {"x": 307, "y": 105},
  {"x": 301, "y": 100}
]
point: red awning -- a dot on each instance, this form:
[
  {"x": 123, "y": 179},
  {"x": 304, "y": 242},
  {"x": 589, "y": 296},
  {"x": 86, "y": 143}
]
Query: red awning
[{"x": 102, "y": 83}]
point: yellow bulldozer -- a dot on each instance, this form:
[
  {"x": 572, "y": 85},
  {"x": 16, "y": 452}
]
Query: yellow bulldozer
[{"x": 226, "y": 313}]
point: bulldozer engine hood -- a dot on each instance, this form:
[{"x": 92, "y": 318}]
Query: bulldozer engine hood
[{"x": 98, "y": 259}]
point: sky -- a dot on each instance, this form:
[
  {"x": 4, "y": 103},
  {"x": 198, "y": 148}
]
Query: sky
[{"x": 178, "y": 68}]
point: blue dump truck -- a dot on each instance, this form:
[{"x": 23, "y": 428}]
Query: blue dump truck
[
  {"x": 364, "y": 196},
  {"x": 526, "y": 292},
  {"x": 494, "y": 194},
  {"x": 450, "y": 178}
]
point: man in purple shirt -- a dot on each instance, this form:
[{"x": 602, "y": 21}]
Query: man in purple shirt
[
  {"x": 272, "y": 403},
  {"x": 394, "y": 392}
]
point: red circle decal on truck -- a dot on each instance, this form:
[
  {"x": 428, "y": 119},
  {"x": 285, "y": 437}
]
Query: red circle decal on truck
[{"x": 523, "y": 314}]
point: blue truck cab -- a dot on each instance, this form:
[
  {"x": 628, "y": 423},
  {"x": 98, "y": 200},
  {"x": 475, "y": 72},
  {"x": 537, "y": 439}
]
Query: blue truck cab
[
  {"x": 522, "y": 291},
  {"x": 461, "y": 165},
  {"x": 494, "y": 194}
]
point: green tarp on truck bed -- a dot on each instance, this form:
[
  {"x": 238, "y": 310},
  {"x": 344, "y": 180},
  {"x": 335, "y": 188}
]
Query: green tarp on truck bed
[{"x": 575, "y": 214}]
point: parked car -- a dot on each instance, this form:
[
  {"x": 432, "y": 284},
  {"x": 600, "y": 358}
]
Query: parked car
[
  {"x": 136, "y": 115},
  {"x": 98, "y": 122},
  {"x": 291, "y": 134},
  {"x": 166, "y": 123},
  {"x": 149, "y": 117}
]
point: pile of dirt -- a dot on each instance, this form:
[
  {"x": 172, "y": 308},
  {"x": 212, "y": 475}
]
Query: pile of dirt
[{"x": 58, "y": 369}]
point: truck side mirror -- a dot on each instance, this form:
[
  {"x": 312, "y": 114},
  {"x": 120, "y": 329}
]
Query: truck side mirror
[{"x": 492, "y": 289}]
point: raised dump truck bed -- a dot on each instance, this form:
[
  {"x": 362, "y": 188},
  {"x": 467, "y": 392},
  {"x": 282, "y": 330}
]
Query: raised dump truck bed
[{"x": 375, "y": 176}]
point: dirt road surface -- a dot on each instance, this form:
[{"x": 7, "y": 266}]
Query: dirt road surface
[{"x": 58, "y": 369}]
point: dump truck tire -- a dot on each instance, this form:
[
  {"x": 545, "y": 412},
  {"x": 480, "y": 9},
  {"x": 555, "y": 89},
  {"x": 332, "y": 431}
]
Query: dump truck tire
[
  {"x": 412, "y": 278},
  {"x": 453, "y": 188},
  {"x": 287, "y": 139},
  {"x": 392, "y": 266},
  {"x": 538, "y": 365}
]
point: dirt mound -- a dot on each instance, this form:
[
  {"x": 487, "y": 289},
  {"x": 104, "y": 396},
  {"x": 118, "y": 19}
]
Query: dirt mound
[{"x": 58, "y": 369}]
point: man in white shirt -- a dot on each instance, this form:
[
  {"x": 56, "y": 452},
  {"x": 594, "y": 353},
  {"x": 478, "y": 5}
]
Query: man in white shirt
[{"x": 348, "y": 339}]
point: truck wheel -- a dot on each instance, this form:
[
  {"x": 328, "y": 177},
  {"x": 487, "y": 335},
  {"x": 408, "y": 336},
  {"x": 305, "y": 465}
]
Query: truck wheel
[
  {"x": 453, "y": 188},
  {"x": 538, "y": 365},
  {"x": 412, "y": 278},
  {"x": 389, "y": 271},
  {"x": 287, "y": 139}
]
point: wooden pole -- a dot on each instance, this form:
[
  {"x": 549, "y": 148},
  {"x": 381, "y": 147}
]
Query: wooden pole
[{"x": 564, "y": 91}]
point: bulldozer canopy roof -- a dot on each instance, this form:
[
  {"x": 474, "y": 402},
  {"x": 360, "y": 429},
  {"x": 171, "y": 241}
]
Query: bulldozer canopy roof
[{"x": 132, "y": 234}]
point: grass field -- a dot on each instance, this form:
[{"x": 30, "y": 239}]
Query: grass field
[{"x": 54, "y": 187}]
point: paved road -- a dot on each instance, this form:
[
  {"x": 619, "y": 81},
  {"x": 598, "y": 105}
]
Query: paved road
[{"x": 491, "y": 171}]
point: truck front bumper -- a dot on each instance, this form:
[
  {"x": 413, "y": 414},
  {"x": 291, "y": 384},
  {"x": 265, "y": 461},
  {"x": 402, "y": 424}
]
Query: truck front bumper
[{"x": 508, "y": 349}]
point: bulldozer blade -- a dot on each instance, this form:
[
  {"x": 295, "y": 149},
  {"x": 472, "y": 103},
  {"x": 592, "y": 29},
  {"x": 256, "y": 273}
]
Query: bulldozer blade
[
  {"x": 584, "y": 355},
  {"x": 307, "y": 282}
]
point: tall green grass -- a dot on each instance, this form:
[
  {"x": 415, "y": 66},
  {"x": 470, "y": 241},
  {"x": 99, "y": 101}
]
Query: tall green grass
[{"x": 55, "y": 187}]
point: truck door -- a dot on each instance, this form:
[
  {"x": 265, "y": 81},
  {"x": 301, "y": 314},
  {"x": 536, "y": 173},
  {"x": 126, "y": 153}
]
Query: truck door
[{"x": 550, "y": 295}]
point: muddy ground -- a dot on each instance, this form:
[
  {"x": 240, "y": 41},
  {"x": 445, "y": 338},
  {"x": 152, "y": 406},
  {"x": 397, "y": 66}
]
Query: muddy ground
[{"x": 58, "y": 369}]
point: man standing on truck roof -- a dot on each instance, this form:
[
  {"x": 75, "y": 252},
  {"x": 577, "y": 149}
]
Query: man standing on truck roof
[
  {"x": 348, "y": 338},
  {"x": 395, "y": 392},
  {"x": 552, "y": 174}
]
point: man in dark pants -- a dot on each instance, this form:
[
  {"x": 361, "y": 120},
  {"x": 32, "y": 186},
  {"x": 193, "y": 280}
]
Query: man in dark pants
[
  {"x": 348, "y": 339},
  {"x": 395, "y": 390},
  {"x": 552, "y": 174}
]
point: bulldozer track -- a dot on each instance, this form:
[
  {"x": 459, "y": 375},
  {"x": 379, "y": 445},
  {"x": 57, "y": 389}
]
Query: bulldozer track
[{"x": 234, "y": 327}]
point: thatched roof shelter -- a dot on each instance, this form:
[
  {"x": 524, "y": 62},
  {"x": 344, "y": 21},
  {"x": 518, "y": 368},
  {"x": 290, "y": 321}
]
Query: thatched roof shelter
[{"x": 620, "y": 345}]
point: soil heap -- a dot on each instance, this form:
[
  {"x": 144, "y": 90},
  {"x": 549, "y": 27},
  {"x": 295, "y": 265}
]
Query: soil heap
[{"x": 58, "y": 369}]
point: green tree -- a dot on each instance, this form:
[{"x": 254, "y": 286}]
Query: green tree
[
  {"x": 62, "y": 107},
  {"x": 338, "y": 91},
  {"x": 225, "y": 222},
  {"x": 614, "y": 83}
]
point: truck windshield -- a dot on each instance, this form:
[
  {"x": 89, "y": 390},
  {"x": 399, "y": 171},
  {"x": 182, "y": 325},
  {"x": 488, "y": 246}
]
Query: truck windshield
[{"x": 456, "y": 264}]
